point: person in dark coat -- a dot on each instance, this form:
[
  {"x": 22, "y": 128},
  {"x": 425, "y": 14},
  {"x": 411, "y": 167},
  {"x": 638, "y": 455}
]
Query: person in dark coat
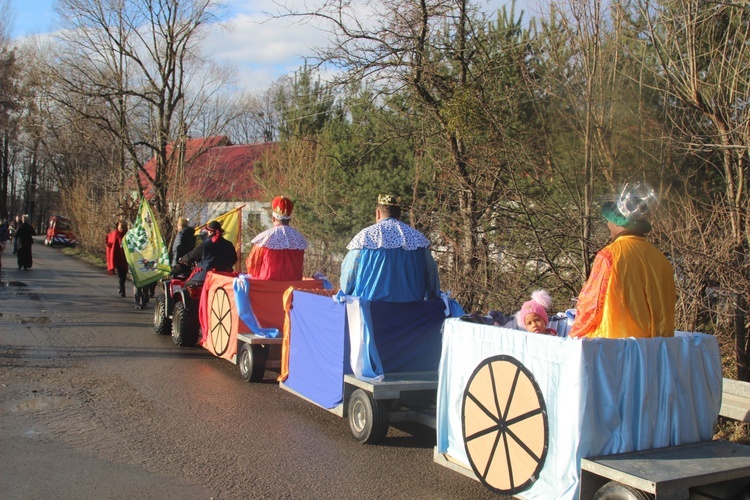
[
  {"x": 12, "y": 228},
  {"x": 24, "y": 239},
  {"x": 116, "y": 261},
  {"x": 213, "y": 254},
  {"x": 4, "y": 239},
  {"x": 183, "y": 243}
]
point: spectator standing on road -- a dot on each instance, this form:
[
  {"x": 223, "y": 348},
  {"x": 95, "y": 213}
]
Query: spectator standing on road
[
  {"x": 12, "y": 228},
  {"x": 24, "y": 239},
  {"x": 4, "y": 237},
  {"x": 116, "y": 262}
]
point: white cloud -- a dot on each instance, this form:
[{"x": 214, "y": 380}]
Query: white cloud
[{"x": 263, "y": 49}]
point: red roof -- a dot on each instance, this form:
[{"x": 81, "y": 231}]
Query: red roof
[{"x": 215, "y": 170}]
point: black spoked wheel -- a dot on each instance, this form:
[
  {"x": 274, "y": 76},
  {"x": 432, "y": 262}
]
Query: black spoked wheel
[
  {"x": 252, "y": 362},
  {"x": 220, "y": 321},
  {"x": 162, "y": 323},
  {"x": 618, "y": 491},
  {"x": 368, "y": 418},
  {"x": 184, "y": 326}
]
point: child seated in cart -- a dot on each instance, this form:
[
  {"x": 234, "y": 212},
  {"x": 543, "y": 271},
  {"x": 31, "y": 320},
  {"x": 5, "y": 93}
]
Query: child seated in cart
[
  {"x": 533, "y": 314},
  {"x": 534, "y": 311}
]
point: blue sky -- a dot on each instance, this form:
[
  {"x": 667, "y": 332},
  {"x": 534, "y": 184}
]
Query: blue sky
[
  {"x": 260, "y": 51},
  {"x": 31, "y": 17}
]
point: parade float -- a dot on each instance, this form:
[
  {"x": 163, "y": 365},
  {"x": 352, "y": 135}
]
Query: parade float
[{"x": 536, "y": 416}]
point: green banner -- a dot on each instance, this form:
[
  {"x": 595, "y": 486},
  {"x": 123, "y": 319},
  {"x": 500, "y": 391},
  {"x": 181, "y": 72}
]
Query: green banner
[{"x": 145, "y": 250}]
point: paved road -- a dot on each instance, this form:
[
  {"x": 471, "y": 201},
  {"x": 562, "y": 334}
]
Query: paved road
[{"x": 93, "y": 405}]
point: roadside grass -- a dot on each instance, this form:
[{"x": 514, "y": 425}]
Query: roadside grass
[
  {"x": 96, "y": 260},
  {"x": 732, "y": 430}
]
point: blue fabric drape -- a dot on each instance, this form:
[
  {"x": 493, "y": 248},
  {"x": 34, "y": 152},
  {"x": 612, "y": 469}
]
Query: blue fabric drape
[{"x": 245, "y": 309}]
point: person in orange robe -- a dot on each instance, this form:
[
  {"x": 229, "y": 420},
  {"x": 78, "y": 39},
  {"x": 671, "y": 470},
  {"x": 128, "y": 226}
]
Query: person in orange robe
[
  {"x": 278, "y": 253},
  {"x": 630, "y": 291}
]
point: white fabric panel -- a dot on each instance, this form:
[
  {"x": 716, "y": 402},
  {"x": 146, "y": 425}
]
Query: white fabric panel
[{"x": 603, "y": 396}]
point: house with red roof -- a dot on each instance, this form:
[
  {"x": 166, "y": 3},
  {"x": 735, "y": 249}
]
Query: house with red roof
[{"x": 210, "y": 176}]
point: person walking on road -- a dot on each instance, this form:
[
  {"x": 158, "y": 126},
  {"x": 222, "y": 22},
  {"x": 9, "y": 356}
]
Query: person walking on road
[
  {"x": 12, "y": 228},
  {"x": 24, "y": 239},
  {"x": 116, "y": 262},
  {"x": 4, "y": 237}
]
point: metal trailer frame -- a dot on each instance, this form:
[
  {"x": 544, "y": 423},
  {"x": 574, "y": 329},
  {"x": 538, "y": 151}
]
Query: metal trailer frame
[
  {"x": 255, "y": 354},
  {"x": 372, "y": 405},
  {"x": 713, "y": 469},
  {"x": 709, "y": 470}
]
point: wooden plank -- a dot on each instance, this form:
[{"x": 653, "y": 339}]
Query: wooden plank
[
  {"x": 735, "y": 400},
  {"x": 736, "y": 387},
  {"x": 735, "y": 407}
]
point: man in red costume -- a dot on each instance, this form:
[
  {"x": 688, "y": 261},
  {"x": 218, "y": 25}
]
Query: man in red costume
[
  {"x": 116, "y": 262},
  {"x": 278, "y": 253}
]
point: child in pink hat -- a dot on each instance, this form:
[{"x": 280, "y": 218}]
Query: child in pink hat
[{"x": 533, "y": 314}]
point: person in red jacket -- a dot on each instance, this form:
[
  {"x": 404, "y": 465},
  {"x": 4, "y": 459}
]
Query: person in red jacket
[
  {"x": 278, "y": 253},
  {"x": 116, "y": 262}
]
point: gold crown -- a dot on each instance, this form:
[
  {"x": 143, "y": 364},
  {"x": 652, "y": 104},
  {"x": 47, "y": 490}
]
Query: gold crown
[{"x": 388, "y": 199}]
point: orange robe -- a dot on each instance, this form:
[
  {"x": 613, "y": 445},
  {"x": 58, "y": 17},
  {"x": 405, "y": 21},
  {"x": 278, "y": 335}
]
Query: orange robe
[{"x": 630, "y": 293}]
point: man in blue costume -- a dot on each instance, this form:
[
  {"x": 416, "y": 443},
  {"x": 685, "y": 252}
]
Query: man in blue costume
[{"x": 390, "y": 261}]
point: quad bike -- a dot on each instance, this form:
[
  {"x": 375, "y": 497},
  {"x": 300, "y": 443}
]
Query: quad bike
[{"x": 176, "y": 311}]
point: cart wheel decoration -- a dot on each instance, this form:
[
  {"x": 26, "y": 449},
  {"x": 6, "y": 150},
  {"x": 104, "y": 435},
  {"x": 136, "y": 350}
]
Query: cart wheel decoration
[
  {"x": 504, "y": 425},
  {"x": 220, "y": 321}
]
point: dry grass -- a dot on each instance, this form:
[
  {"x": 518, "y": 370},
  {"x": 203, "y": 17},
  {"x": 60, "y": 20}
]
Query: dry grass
[
  {"x": 96, "y": 260},
  {"x": 732, "y": 430}
]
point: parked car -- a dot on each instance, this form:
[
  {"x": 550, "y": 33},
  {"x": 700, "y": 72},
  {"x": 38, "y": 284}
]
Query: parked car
[{"x": 60, "y": 232}]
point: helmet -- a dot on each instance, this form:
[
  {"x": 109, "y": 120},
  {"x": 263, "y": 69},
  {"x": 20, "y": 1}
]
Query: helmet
[{"x": 637, "y": 201}]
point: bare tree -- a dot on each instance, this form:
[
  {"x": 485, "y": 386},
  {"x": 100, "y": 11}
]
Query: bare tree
[
  {"x": 138, "y": 58},
  {"x": 702, "y": 55},
  {"x": 8, "y": 103},
  {"x": 439, "y": 54}
]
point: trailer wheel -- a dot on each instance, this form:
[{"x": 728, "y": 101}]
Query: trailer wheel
[
  {"x": 618, "y": 491},
  {"x": 184, "y": 327},
  {"x": 368, "y": 418},
  {"x": 252, "y": 362},
  {"x": 162, "y": 324}
]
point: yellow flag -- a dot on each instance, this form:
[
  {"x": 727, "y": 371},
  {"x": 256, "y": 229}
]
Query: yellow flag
[{"x": 231, "y": 224}]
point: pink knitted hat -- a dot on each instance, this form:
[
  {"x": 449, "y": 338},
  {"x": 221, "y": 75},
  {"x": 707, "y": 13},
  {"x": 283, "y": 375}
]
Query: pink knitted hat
[{"x": 539, "y": 303}]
